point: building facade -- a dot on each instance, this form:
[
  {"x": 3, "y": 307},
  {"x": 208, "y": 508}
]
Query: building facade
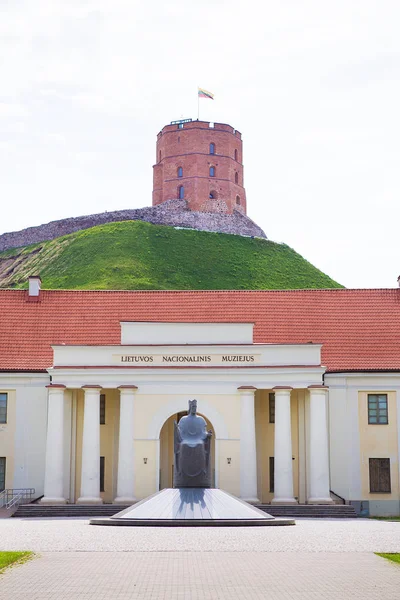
[
  {"x": 202, "y": 163},
  {"x": 301, "y": 390}
]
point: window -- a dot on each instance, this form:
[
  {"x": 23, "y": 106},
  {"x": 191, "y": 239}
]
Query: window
[
  {"x": 180, "y": 172},
  {"x": 102, "y": 464},
  {"x": 212, "y": 148},
  {"x": 379, "y": 476},
  {"x": 181, "y": 192},
  {"x": 236, "y": 178},
  {"x": 180, "y": 125},
  {"x": 2, "y": 473},
  {"x": 271, "y": 474},
  {"x": 236, "y": 154},
  {"x": 3, "y": 408},
  {"x": 212, "y": 171},
  {"x": 272, "y": 407},
  {"x": 159, "y": 156},
  {"x": 238, "y": 200},
  {"x": 102, "y": 409},
  {"x": 377, "y": 409},
  {"x": 213, "y": 195}
]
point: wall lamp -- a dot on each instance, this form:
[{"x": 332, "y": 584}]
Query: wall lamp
[
  {"x": 145, "y": 461},
  {"x": 229, "y": 460}
]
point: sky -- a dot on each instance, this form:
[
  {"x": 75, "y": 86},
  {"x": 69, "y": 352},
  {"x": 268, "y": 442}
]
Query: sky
[{"x": 312, "y": 85}]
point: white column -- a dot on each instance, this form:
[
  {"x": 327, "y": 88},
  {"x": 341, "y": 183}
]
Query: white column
[
  {"x": 90, "y": 476},
  {"x": 54, "y": 470},
  {"x": 126, "y": 473},
  {"x": 283, "y": 467},
  {"x": 319, "y": 457},
  {"x": 248, "y": 454}
]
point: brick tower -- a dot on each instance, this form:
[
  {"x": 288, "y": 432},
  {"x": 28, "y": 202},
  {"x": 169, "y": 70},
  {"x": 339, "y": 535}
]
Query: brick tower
[{"x": 201, "y": 163}]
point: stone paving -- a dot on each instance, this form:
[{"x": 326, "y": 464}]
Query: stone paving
[{"x": 327, "y": 559}]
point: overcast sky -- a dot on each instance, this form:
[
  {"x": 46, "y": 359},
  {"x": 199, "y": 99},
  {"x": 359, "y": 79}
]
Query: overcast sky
[{"x": 313, "y": 85}]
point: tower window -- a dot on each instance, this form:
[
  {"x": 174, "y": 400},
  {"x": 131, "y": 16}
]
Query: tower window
[
  {"x": 377, "y": 409},
  {"x": 238, "y": 200},
  {"x": 236, "y": 154},
  {"x": 2, "y": 473},
  {"x": 3, "y": 408},
  {"x": 271, "y": 395},
  {"x": 180, "y": 125},
  {"x": 102, "y": 409},
  {"x": 181, "y": 192},
  {"x": 212, "y": 171},
  {"x": 271, "y": 474},
  {"x": 180, "y": 172},
  {"x": 213, "y": 195},
  {"x": 236, "y": 178},
  {"x": 102, "y": 473},
  {"x": 159, "y": 156},
  {"x": 212, "y": 148}
]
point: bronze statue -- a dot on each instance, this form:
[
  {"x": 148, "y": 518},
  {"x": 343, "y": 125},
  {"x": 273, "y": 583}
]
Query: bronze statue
[{"x": 192, "y": 445}]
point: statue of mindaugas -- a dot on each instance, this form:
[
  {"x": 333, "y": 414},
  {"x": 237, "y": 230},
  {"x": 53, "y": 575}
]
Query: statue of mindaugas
[{"x": 192, "y": 445}]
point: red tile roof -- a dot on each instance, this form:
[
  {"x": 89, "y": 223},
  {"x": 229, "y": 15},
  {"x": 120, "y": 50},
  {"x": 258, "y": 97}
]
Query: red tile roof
[{"x": 359, "y": 329}]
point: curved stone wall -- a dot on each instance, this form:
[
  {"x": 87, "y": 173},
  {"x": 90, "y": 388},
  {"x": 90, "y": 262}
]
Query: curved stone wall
[{"x": 171, "y": 212}]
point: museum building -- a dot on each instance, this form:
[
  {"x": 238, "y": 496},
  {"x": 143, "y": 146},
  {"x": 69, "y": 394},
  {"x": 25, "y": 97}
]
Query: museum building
[{"x": 300, "y": 388}]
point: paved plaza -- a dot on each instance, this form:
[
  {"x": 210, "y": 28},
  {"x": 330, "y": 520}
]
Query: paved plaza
[{"x": 316, "y": 559}]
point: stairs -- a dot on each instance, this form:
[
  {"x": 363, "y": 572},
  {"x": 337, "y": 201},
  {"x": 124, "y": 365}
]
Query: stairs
[
  {"x": 311, "y": 511},
  {"x": 68, "y": 510},
  {"x": 332, "y": 511}
]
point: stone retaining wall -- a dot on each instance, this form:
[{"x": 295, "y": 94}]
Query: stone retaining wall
[{"x": 171, "y": 212}]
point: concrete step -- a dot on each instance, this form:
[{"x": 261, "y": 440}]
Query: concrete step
[
  {"x": 311, "y": 511},
  {"x": 335, "y": 511},
  {"x": 68, "y": 510}
]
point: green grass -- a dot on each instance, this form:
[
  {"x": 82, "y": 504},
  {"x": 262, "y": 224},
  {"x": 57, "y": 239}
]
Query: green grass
[
  {"x": 135, "y": 255},
  {"x": 9, "y": 558},
  {"x": 394, "y": 556}
]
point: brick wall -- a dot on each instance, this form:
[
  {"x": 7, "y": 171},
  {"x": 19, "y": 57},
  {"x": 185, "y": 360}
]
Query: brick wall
[
  {"x": 172, "y": 212},
  {"x": 187, "y": 146}
]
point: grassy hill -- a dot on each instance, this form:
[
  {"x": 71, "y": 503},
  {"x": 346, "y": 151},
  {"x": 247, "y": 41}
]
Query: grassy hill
[{"x": 135, "y": 255}]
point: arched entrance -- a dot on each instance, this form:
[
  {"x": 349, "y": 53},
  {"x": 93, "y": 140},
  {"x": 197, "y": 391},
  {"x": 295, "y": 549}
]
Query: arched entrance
[{"x": 167, "y": 450}]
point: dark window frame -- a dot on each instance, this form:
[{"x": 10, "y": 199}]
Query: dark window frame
[
  {"x": 373, "y": 404},
  {"x": 102, "y": 472},
  {"x": 3, "y": 472},
  {"x": 102, "y": 409},
  {"x": 272, "y": 474},
  {"x": 212, "y": 148},
  {"x": 379, "y": 475},
  {"x": 3, "y": 408},
  {"x": 238, "y": 200},
  {"x": 236, "y": 154},
  {"x": 181, "y": 192},
  {"x": 271, "y": 407},
  {"x": 180, "y": 172},
  {"x": 236, "y": 177},
  {"x": 212, "y": 171}
]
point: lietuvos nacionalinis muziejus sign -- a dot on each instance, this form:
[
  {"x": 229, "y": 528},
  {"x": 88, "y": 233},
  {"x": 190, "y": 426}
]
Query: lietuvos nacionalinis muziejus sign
[{"x": 186, "y": 359}]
